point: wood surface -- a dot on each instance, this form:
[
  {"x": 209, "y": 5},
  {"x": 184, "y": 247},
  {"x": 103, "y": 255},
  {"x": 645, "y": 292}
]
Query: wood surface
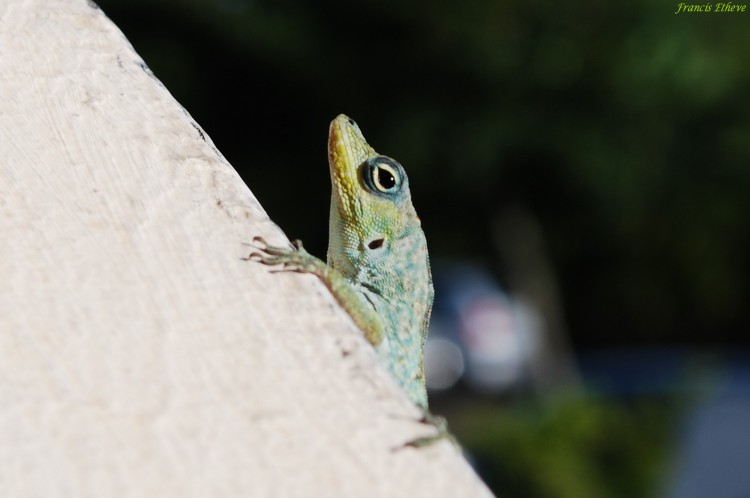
[{"x": 140, "y": 356}]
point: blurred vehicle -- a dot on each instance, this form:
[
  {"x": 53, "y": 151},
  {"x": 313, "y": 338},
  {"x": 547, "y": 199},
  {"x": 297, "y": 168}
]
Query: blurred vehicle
[{"x": 478, "y": 333}]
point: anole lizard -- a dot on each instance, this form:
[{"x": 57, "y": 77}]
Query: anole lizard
[{"x": 378, "y": 268}]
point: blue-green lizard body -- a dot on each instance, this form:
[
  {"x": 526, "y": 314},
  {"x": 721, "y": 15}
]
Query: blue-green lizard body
[{"x": 378, "y": 267}]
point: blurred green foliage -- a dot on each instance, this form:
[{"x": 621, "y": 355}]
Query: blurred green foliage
[
  {"x": 622, "y": 126},
  {"x": 571, "y": 446}
]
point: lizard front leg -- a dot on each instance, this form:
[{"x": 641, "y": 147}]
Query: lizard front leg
[{"x": 297, "y": 259}]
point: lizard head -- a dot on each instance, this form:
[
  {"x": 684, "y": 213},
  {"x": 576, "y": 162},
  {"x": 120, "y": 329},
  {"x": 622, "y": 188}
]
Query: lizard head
[{"x": 371, "y": 204}]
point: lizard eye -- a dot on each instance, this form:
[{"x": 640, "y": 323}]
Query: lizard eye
[{"x": 383, "y": 175}]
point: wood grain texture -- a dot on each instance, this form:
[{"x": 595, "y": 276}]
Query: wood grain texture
[{"x": 139, "y": 354}]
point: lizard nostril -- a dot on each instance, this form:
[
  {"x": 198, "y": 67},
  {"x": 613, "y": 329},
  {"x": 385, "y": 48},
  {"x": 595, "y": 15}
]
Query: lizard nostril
[{"x": 376, "y": 244}]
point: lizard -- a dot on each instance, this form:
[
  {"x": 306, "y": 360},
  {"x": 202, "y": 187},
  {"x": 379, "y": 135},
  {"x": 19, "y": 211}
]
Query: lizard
[{"x": 378, "y": 267}]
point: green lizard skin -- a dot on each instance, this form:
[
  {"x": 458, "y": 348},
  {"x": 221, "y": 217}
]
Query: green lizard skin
[{"x": 378, "y": 268}]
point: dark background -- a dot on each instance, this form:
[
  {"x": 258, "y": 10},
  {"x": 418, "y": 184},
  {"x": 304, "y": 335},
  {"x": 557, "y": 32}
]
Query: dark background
[{"x": 619, "y": 128}]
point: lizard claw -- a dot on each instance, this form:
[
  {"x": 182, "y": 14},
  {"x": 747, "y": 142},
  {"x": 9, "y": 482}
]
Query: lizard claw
[
  {"x": 442, "y": 433},
  {"x": 254, "y": 256},
  {"x": 259, "y": 242}
]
